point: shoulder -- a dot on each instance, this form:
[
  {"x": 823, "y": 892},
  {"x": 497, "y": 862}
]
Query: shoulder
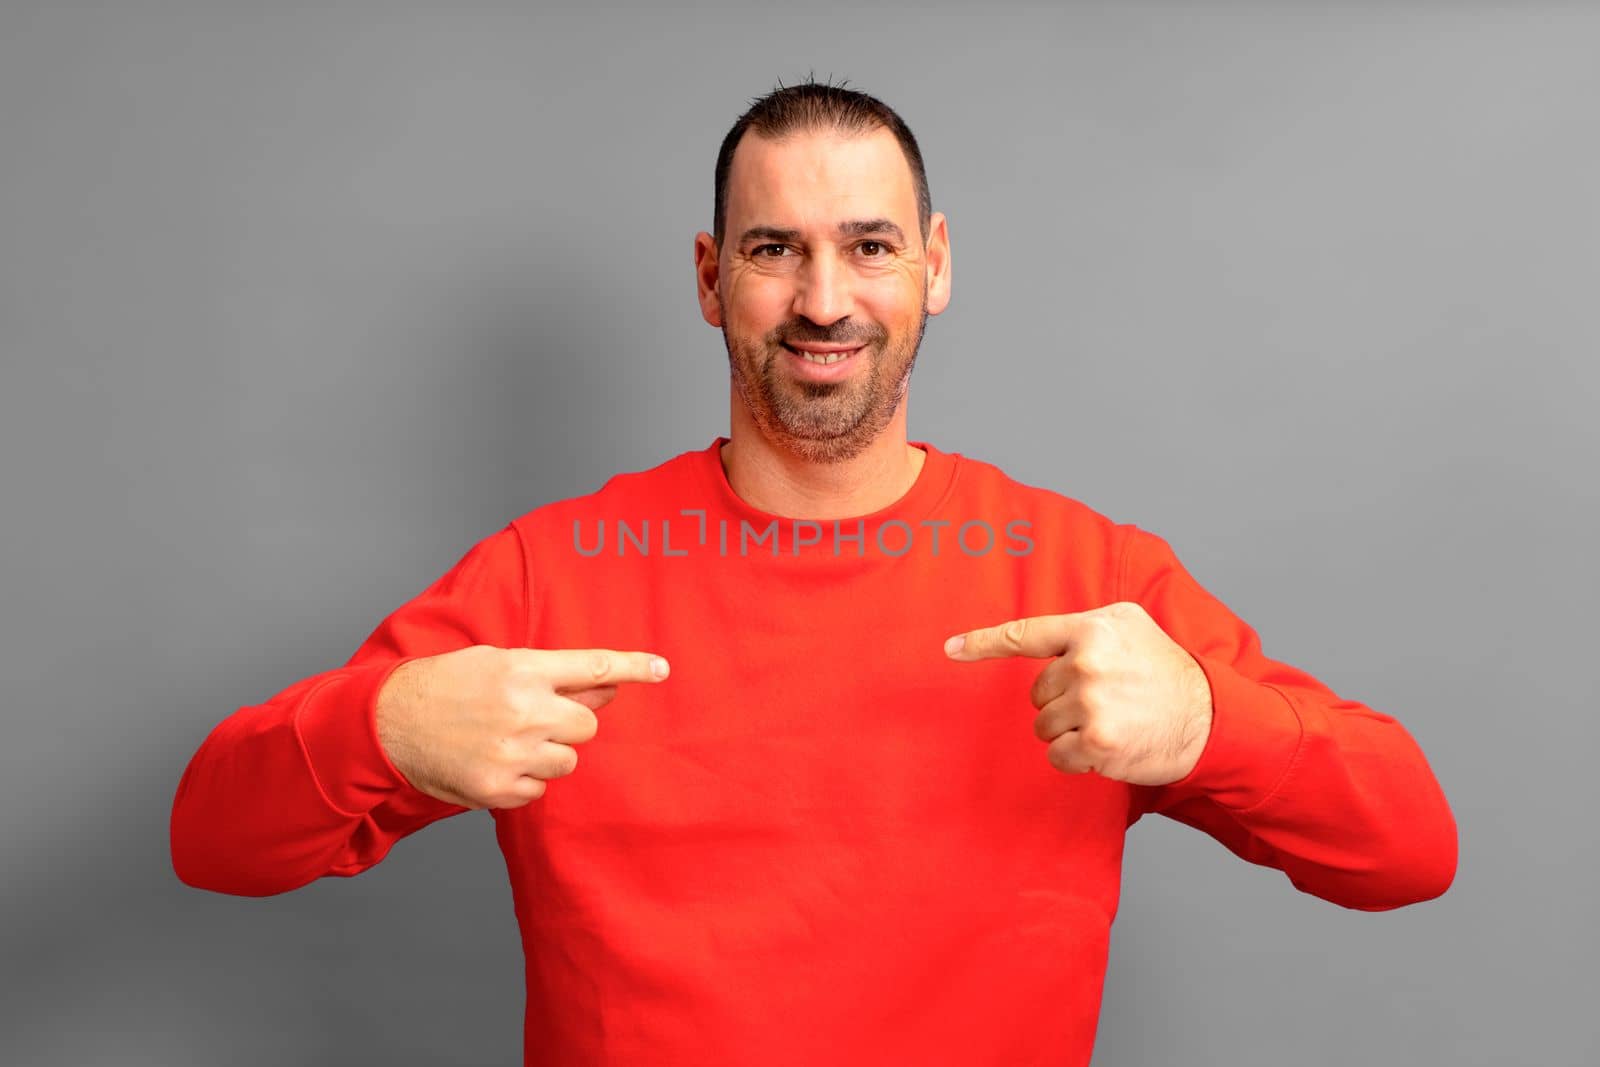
[
  {"x": 993, "y": 486},
  {"x": 1064, "y": 526}
]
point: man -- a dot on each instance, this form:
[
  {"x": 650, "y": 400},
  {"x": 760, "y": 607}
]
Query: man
[{"x": 829, "y": 834}]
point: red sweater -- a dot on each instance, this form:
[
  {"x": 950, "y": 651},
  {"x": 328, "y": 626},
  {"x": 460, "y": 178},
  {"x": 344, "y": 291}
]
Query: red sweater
[{"x": 820, "y": 840}]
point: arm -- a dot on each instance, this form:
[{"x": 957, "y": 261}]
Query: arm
[
  {"x": 1334, "y": 794},
  {"x": 299, "y": 787}
]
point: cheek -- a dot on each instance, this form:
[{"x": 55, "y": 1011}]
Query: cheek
[
  {"x": 897, "y": 293},
  {"x": 755, "y": 304},
  {"x": 897, "y": 307}
]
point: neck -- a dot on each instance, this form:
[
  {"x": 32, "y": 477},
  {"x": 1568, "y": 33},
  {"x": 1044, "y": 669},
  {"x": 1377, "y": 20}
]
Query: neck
[{"x": 770, "y": 477}]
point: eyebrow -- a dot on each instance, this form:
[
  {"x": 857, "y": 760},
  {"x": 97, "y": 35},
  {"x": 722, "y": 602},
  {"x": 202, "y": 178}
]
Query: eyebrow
[{"x": 852, "y": 228}]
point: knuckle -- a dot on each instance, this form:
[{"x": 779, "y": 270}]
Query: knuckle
[
  {"x": 1097, "y": 737},
  {"x": 521, "y": 670},
  {"x": 562, "y": 761},
  {"x": 517, "y": 713},
  {"x": 515, "y": 693},
  {"x": 1090, "y": 659},
  {"x": 514, "y": 686},
  {"x": 527, "y": 789},
  {"x": 1105, "y": 626},
  {"x": 1014, "y": 631},
  {"x": 1046, "y": 686},
  {"x": 599, "y": 665},
  {"x": 480, "y": 784},
  {"x": 533, "y": 715}
]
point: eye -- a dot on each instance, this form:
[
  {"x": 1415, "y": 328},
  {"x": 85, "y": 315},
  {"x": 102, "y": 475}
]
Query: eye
[
  {"x": 873, "y": 249},
  {"x": 760, "y": 250}
]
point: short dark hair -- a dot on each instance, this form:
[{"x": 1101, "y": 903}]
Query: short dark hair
[{"x": 810, "y": 105}]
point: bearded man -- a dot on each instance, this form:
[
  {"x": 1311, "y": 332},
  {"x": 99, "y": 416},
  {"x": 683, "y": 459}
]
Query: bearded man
[{"x": 875, "y": 811}]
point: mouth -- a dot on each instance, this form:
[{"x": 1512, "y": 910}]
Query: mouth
[{"x": 819, "y": 356}]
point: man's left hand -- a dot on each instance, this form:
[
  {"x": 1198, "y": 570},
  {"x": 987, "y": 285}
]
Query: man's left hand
[{"x": 1119, "y": 697}]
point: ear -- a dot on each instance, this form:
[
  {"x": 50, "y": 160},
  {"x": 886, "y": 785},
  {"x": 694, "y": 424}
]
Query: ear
[
  {"x": 938, "y": 256},
  {"x": 706, "y": 279}
]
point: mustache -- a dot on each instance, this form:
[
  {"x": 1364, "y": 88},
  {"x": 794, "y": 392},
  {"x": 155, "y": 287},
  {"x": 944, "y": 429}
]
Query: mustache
[{"x": 839, "y": 333}]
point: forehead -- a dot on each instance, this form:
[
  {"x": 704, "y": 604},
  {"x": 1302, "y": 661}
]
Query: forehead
[{"x": 818, "y": 178}]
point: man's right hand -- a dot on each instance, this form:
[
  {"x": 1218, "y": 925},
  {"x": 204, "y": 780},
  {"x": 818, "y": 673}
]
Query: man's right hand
[{"x": 485, "y": 727}]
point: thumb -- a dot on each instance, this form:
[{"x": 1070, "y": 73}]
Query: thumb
[{"x": 594, "y": 698}]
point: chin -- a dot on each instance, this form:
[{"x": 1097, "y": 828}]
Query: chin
[{"x": 826, "y": 449}]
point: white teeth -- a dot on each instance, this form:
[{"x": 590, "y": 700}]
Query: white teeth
[{"x": 823, "y": 358}]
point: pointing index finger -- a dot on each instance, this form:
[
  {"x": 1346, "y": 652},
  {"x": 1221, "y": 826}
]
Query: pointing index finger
[
  {"x": 585, "y": 668},
  {"x": 1038, "y": 636}
]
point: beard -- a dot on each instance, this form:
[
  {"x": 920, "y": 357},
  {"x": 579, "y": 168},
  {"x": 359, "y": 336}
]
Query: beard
[{"x": 824, "y": 422}]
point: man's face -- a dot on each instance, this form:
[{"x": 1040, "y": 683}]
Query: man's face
[{"x": 822, "y": 256}]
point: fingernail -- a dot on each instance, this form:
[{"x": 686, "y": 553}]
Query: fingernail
[
  {"x": 952, "y": 646},
  {"x": 658, "y": 667}
]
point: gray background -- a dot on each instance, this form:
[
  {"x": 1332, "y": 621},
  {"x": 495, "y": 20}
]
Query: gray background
[{"x": 297, "y": 304}]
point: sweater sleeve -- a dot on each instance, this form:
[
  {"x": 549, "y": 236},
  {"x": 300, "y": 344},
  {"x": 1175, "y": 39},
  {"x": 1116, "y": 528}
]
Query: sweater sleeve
[
  {"x": 1292, "y": 776},
  {"x": 299, "y": 787}
]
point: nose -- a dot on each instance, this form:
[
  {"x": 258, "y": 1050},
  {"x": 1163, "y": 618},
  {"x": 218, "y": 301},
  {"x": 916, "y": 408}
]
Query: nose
[{"x": 822, "y": 290}]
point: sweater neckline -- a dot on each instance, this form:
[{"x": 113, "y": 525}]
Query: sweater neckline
[
  {"x": 842, "y": 544},
  {"x": 933, "y": 482}
]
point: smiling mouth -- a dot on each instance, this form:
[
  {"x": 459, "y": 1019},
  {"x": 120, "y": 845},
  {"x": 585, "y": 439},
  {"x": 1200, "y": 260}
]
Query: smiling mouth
[{"x": 824, "y": 359}]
